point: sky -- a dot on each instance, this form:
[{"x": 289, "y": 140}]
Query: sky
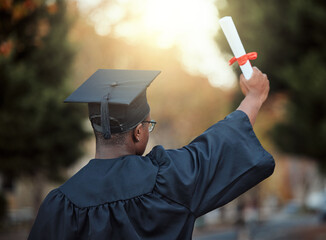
[{"x": 188, "y": 25}]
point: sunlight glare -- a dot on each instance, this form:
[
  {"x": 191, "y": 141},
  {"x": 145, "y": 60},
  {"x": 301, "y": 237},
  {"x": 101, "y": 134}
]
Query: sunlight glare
[{"x": 188, "y": 25}]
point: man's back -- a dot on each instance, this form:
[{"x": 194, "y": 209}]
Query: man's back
[{"x": 158, "y": 196}]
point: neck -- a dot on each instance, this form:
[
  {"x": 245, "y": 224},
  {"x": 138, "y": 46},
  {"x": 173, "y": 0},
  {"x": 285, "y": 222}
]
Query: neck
[{"x": 112, "y": 151}]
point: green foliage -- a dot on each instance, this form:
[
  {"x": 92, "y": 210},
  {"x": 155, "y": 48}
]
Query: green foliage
[
  {"x": 38, "y": 132},
  {"x": 289, "y": 37}
]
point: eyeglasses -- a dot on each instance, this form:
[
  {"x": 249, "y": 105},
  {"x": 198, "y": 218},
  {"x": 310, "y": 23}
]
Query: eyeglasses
[{"x": 151, "y": 125}]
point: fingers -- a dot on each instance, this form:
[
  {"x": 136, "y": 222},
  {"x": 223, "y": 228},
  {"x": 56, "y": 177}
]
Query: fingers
[
  {"x": 243, "y": 87},
  {"x": 256, "y": 69},
  {"x": 257, "y": 86}
]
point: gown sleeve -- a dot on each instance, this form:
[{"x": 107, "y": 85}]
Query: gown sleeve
[
  {"x": 216, "y": 167},
  {"x": 56, "y": 219}
]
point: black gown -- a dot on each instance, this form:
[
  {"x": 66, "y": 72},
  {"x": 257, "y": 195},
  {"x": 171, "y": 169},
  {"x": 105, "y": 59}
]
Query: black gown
[{"x": 160, "y": 195}]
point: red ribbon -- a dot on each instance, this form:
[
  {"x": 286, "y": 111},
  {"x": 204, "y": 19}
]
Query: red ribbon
[{"x": 243, "y": 59}]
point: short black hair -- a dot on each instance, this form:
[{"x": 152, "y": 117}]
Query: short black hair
[{"x": 116, "y": 138}]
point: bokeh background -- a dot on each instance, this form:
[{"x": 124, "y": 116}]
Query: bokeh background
[{"x": 49, "y": 47}]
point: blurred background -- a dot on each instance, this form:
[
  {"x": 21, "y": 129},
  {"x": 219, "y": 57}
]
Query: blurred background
[{"x": 49, "y": 47}]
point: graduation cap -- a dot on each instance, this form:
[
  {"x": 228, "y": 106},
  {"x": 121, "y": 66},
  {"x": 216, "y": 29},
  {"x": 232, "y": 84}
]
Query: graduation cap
[{"x": 117, "y": 97}]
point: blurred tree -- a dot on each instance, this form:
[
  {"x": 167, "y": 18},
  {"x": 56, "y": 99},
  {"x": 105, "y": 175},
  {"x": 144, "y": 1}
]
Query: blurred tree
[
  {"x": 3, "y": 209},
  {"x": 39, "y": 135},
  {"x": 290, "y": 41}
]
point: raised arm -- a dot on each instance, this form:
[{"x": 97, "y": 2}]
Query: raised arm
[{"x": 256, "y": 91}]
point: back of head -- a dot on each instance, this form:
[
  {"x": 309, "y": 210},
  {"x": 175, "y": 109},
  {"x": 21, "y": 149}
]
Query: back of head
[
  {"x": 117, "y": 138},
  {"x": 116, "y": 100}
]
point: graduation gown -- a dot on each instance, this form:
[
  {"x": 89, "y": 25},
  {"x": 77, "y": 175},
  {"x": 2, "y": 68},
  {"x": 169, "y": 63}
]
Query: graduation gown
[{"x": 160, "y": 195}]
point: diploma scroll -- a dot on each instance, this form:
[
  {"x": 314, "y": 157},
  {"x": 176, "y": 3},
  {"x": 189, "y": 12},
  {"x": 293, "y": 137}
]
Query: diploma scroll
[{"x": 234, "y": 41}]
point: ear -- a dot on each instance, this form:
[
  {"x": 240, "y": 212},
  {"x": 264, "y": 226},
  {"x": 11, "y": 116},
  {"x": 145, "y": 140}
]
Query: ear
[{"x": 137, "y": 133}]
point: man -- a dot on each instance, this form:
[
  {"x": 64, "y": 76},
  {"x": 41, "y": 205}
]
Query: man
[{"x": 123, "y": 195}]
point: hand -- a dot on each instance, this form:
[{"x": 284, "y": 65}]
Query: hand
[
  {"x": 256, "y": 91},
  {"x": 257, "y": 87}
]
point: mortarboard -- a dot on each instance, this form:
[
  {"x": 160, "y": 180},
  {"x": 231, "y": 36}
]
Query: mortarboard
[{"x": 117, "y": 97}]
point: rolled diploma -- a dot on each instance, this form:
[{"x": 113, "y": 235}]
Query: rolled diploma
[{"x": 234, "y": 41}]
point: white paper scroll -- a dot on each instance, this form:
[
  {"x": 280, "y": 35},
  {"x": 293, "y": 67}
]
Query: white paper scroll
[{"x": 233, "y": 38}]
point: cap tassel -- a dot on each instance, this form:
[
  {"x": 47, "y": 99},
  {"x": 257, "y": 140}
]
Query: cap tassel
[{"x": 105, "y": 117}]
